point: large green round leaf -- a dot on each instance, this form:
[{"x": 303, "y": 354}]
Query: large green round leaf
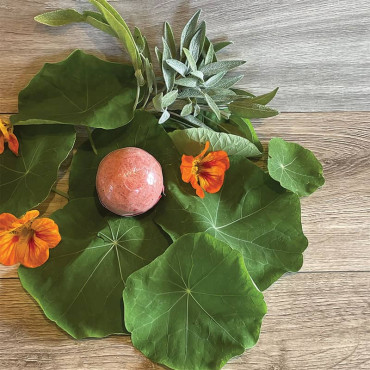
[
  {"x": 80, "y": 286},
  {"x": 252, "y": 213},
  {"x": 195, "y": 306},
  {"x": 25, "y": 181},
  {"x": 81, "y": 90},
  {"x": 191, "y": 142},
  {"x": 143, "y": 132},
  {"x": 296, "y": 168}
]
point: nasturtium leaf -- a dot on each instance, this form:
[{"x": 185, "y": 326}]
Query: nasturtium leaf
[
  {"x": 195, "y": 306},
  {"x": 251, "y": 212},
  {"x": 143, "y": 132},
  {"x": 25, "y": 181},
  {"x": 81, "y": 90},
  {"x": 80, "y": 286},
  {"x": 191, "y": 142},
  {"x": 296, "y": 168}
]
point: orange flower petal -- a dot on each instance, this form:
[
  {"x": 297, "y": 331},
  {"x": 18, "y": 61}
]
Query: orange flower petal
[
  {"x": 13, "y": 143},
  {"x": 32, "y": 253},
  {"x": 7, "y": 249},
  {"x": 186, "y": 167},
  {"x": 6, "y": 221},
  {"x": 198, "y": 190},
  {"x": 46, "y": 230},
  {"x": 30, "y": 215},
  {"x": 211, "y": 181},
  {"x": 1, "y": 143},
  {"x": 219, "y": 159},
  {"x": 204, "y": 151},
  {"x": 4, "y": 129}
]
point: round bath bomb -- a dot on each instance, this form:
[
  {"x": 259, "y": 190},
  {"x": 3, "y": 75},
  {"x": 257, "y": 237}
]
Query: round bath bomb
[{"x": 129, "y": 181}]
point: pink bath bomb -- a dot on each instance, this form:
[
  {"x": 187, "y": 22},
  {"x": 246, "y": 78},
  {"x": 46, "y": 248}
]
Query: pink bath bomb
[{"x": 129, "y": 181}]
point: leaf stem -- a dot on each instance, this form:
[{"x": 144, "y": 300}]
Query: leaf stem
[
  {"x": 185, "y": 124},
  {"x": 146, "y": 100},
  {"x": 62, "y": 193},
  {"x": 89, "y": 131},
  {"x": 137, "y": 94}
]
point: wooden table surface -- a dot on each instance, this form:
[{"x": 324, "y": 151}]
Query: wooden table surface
[{"x": 318, "y": 52}]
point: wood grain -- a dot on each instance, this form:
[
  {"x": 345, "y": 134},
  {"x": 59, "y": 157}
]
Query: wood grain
[
  {"x": 314, "y": 321},
  {"x": 318, "y": 52}
]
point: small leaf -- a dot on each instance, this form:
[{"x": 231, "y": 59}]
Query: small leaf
[
  {"x": 187, "y": 82},
  {"x": 211, "y": 103},
  {"x": 168, "y": 72},
  {"x": 169, "y": 98},
  {"x": 157, "y": 102},
  {"x": 187, "y": 109},
  {"x": 164, "y": 117},
  {"x": 190, "y": 59},
  {"x": 246, "y": 109},
  {"x": 210, "y": 54},
  {"x": 60, "y": 17},
  {"x": 188, "y": 32},
  {"x": 146, "y": 51},
  {"x": 97, "y": 16},
  {"x": 212, "y": 81},
  {"x": 121, "y": 29},
  {"x": 220, "y": 45},
  {"x": 191, "y": 142},
  {"x": 226, "y": 83},
  {"x": 243, "y": 92},
  {"x": 217, "y": 67},
  {"x": 196, "y": 110},
  {"x": 198, "y": 74},
  {"x": 80, "y": 90},
  {"x": 220, "y": 92},
  {"x": 159, "y": 56},
  {"x": 190, "y": 93},
  {"x": 197, "y": 295},
  {"x": 178, "y": 66},
  {"x": 139, "y": 39},
  {"x": 94, "y": 20},
  {"x": 265, "y": 98},
  {"x": 197, "y": 42},
  {"x": 296, "y": 168},
  {"x": 67, "y": 16},
  {"x": 168, "y": 36}
]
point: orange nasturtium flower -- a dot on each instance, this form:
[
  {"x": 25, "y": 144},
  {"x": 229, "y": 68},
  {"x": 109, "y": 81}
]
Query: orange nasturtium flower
[
  {"x": 27, "y": 240},
  {"x": 6, "y": 135},
  {"x": 205, "y": 173}
]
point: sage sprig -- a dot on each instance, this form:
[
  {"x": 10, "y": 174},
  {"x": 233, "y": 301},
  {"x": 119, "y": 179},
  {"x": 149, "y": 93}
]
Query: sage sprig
[{"x": 195, "y": 88}]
